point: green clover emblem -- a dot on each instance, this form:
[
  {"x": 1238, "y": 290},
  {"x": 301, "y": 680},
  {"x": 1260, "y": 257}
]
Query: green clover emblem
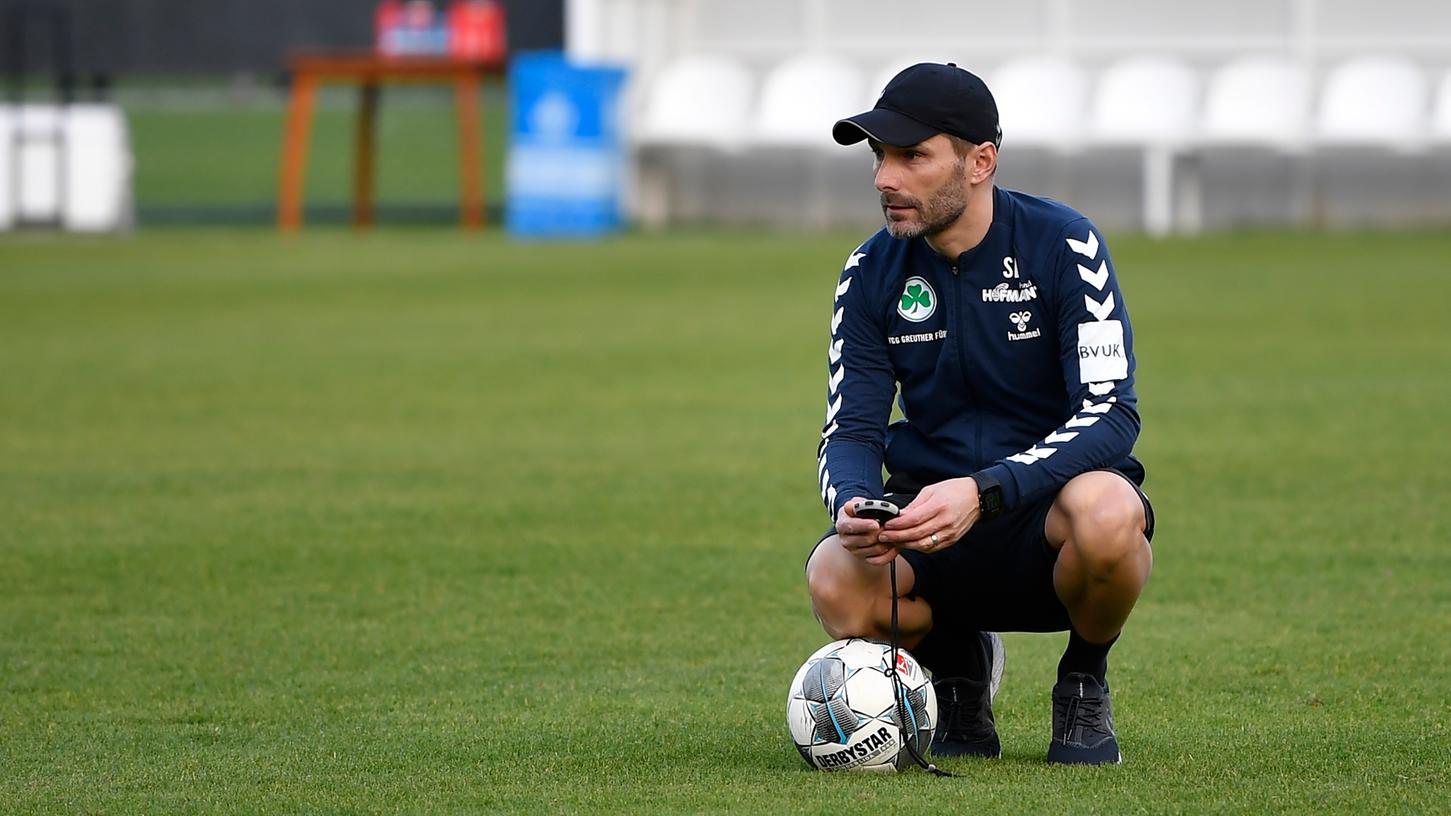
[
  {"x": 918, "y": 300},
  {"x": 916, "y": 296}
]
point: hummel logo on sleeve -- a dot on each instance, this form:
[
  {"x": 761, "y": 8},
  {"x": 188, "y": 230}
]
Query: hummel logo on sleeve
[
  {"x": 1032, "y": 455},
  {"x": 1088, "y": 248},
  {"x": 833, "y": 409},
  {"x": 1100, "y": 311},
  {"x": 1094, "y": 277}
]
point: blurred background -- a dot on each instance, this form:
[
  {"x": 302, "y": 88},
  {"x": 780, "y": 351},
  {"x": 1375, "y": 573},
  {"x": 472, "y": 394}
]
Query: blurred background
[
  {"x": 202, "y": 92},
  {"x": 1156, "y": 116},
  {"x": 1166, "y": 117}
]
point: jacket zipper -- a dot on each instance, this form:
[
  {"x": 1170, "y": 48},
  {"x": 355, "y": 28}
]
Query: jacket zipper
[{"x": 962, "y": 357}]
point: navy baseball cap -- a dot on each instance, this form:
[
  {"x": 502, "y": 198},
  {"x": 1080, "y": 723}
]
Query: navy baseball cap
[{"x": 923, "y": 101}]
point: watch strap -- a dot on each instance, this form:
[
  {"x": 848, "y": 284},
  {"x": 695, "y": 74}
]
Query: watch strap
[{"x": 989, "y": 495}]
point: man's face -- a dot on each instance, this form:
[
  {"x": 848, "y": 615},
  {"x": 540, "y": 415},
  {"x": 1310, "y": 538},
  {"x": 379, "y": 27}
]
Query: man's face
[{"x": 923, "y": 187}]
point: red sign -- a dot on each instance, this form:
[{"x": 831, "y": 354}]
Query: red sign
[{"x": 476, "y": 30}]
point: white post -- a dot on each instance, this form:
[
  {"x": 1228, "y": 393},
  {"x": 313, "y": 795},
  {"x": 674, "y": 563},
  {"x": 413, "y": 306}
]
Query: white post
[
  {"x": 1306, "y": 207},
  {"x": 584, "y": 29},
  {"x": 1158, "y": 190}
]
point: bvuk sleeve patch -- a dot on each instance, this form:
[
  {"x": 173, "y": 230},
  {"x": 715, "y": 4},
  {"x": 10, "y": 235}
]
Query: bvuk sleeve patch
[{"x": 1101, "y": 355}]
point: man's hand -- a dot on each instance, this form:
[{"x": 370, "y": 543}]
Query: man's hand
[
  {"x": 859, "y": 536},
  {"x": 946, "y": 510}
]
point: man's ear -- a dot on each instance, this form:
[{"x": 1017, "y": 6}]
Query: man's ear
[{"x": 984, "y": 162}]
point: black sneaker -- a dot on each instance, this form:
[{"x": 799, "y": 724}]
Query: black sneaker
[
  {"x": 965, "y": 725},
  {"x": 1083, "y": 723}
]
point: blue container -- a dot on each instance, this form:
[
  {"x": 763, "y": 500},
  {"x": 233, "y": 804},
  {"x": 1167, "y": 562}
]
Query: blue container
[{"x": 566, "y": 166}]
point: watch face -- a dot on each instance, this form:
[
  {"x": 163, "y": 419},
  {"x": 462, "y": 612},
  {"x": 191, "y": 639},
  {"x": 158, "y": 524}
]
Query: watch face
[
  {"x": 989, "y": 496},
  {"x": 992, "y": 500}
]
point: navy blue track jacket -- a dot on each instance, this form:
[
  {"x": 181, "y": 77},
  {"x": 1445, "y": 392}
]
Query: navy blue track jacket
[{"x": 1015, "y": 360}]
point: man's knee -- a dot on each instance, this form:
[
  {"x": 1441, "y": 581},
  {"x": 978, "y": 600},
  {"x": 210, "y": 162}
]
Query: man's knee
[
  {"x": 845, "y": 607},
  {"x": 1104, "y": 517}
]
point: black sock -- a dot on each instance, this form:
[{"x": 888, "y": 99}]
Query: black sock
[
  {"x": 1086, "y": 658},
  {"x": 950, "y": 653}
]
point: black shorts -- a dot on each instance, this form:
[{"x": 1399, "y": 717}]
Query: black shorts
[{"x": 999, "y": 576}]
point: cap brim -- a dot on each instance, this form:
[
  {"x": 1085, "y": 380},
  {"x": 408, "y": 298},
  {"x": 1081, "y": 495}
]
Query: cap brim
[{"x": 882, "y": 125}]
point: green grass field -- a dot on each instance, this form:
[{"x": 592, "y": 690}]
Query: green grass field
[{"x": 417, "y": 522}]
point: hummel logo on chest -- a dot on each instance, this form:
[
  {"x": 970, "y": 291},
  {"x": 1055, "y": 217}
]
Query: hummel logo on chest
[{"x": 1020, "y": 320}]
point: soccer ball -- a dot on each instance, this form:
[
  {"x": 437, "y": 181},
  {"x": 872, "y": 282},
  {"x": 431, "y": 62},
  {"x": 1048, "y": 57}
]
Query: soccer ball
[{"x": 842, "y": 708}]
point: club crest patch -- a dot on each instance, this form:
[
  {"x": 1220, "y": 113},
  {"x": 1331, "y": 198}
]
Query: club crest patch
[{"x": 918, "y": 301}]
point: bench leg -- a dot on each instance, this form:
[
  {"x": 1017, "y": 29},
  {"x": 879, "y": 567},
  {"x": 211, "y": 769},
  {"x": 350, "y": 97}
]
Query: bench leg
[{"x": 294, "y": 152}]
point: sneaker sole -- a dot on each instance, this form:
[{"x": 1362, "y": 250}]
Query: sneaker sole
[
  {"x": 981, "y": 750},
  {"x": 1073, "y": 755}
]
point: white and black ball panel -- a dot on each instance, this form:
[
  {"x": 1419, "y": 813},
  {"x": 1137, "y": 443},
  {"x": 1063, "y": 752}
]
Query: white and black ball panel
[
  {"x": 842, "y": 708},
  {"x": 824, "y": 688}
]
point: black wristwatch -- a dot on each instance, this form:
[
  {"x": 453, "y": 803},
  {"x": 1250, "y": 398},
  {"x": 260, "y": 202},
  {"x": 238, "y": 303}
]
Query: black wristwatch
[{"x": 989, "y": 495}]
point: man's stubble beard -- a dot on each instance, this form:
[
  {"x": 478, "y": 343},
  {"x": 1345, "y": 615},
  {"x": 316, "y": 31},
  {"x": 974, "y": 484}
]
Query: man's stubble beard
[{"x": 940, "y": 211}]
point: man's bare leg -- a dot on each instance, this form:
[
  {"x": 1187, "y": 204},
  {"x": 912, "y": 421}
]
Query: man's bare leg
[
  {"x": 852, "y": 598},
  {"x": 1098, "y": 525}
]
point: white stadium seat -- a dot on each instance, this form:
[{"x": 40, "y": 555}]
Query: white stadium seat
[
  {"x": 1150, "y": 103},
  {"x": 39, "y": 145},
  {"x": 1441, "y": 114},
  {"x": 697, "y": 103},
  {"x": 1258, "y": 101},
  {"x": 1183, "y": 87},
  {"x": 65, "y": 165},
  {"x": 1378, "y": 101},
  {"x": 1145, "y": 101},
  {"x": 803, "y": 97},
  {"x": 7, "y": 166},
  {"x": 698, "y": 100},
  {"x": 98, "y": 169},
  {"x": 1041, "y": 102}
]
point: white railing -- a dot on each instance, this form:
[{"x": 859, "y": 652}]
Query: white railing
[
  {"x": 645, "y": 33},
  {"x": 1313, "y": 39}
]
